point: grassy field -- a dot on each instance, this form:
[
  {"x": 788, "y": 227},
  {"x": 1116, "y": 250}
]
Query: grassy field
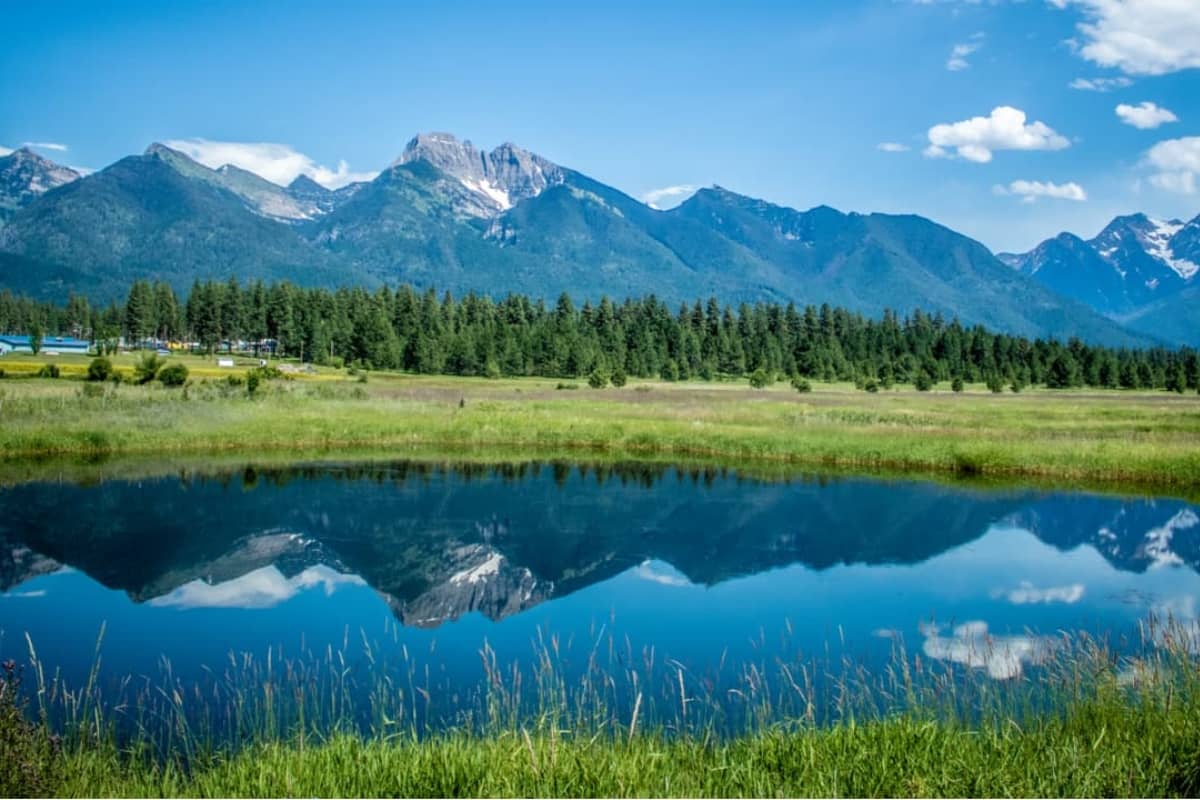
[
  {"x": 1131, "y": 439},
  {"x": 1097, "y": 751}
]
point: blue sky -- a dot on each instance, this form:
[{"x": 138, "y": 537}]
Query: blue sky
[{"x": 787, "y": 101}]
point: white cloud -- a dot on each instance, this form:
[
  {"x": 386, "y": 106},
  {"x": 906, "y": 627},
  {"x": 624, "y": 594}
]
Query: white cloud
[
  {"x": 5, "y": 150},
  {"x": 675, "y": 194},
  {"x": 1030, "y": 191},
  {"x": 977, "y": 138},
  {"x": 61, "y": 148},
  {"x": 278, "y": 163},
  {"x": 1177, "y": 163},
  {"x": 893, "y": 147},
  {"x": 1026, "y": 593},
  {"x": 262, "y": 588},
  {"x": 1145, "y": 115},
  {"x": 1100, "y": 84},
  {"x": 1139, "y": 37},
  {"x": 958, "y": 55},
  {"x": 971, "y": 645}
]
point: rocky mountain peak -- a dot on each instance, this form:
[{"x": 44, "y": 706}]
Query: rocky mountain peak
[
  {"x": 496, "y": 181},
  {"x": 160, "y": 150},
  {"x": 25, "y": 176},
  {"x": 306, "y": 185}
]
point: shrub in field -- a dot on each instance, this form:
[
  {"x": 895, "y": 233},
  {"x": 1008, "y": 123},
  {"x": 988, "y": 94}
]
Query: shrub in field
[
  {"x": 801, "y": 384},
  {"x": 173, "y": 375},
  {"x": 566, "y": 386},
  {"x": 923, "y": 382},
  {"x": 598, "y": 378},
  {"x": 147, "y": 368},
  {"x": 256, "y": 377},
  {"x": 101, "y": 369},
  {"x": 871, "y": 385},
  {"x": 995, "y": 383},
  {"x": 956, "y": 384},
  {"x": 760, "y": 379},
  {"x": 49, "y": 371},
  {"x": 92, "y": 390},
  {"x": 670, "y": 371},
  {"x": 274, "y": 373},
  {"x": 618, "y": 378}
]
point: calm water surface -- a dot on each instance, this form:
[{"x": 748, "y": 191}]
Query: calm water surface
[{"x": 696, "y": 570}]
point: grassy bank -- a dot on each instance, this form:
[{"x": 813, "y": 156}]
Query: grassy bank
[
  {"x": 1097, "y": 750},
  {"x": 1079, "y": 438}
]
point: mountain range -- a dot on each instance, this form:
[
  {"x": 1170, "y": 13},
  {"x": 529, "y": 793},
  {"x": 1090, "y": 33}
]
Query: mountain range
[
  {"x": 1139, "y": 271},
  {"x": 450, "y": 215}
]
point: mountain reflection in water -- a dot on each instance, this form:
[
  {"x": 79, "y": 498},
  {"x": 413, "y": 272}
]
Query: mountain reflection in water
[{"x": 440, "y": 543}]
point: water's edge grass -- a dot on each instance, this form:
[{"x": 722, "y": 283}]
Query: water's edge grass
[
  {"x": 1106, "y": 745},
  {"x": 1089, "y": 723}
]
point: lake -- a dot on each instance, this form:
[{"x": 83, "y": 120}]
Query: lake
[{"x": 438, "y": 581}]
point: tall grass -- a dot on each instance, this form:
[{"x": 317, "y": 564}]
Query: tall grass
[{"x": 599, "y": 717}]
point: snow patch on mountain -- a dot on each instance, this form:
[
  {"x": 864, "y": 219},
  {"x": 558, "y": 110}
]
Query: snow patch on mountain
[
  {"x": 1157, "y": 546},
  {"x": 486, "y": 188},
  {"x": 1158, "y": 245},
  {"x": 480, "y": 572}
]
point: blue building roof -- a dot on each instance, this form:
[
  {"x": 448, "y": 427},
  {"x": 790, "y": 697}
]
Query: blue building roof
[{"x": 47, "y": 341}]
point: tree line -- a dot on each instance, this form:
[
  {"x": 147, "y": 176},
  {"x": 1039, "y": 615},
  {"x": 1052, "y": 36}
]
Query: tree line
[{"x": 420, "y": 331}]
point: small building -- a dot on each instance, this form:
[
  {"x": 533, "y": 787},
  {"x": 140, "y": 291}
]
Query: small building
[{"x": 51, "y": 345}]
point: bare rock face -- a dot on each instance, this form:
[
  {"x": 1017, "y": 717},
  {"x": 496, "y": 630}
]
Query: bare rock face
[
  {"x": 483, "y": 580},
  {"x": 25, "y": 176},
  {"x": 495, "y": 181}
]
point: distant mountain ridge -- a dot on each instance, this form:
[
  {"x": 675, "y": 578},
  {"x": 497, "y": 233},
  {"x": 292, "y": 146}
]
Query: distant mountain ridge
[
  {"x": 1139, "y": 270},
  {"x": 450, "y": 215}
]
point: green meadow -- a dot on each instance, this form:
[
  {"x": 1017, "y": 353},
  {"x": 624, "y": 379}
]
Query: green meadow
[{"x": 1114, "y": 439}]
